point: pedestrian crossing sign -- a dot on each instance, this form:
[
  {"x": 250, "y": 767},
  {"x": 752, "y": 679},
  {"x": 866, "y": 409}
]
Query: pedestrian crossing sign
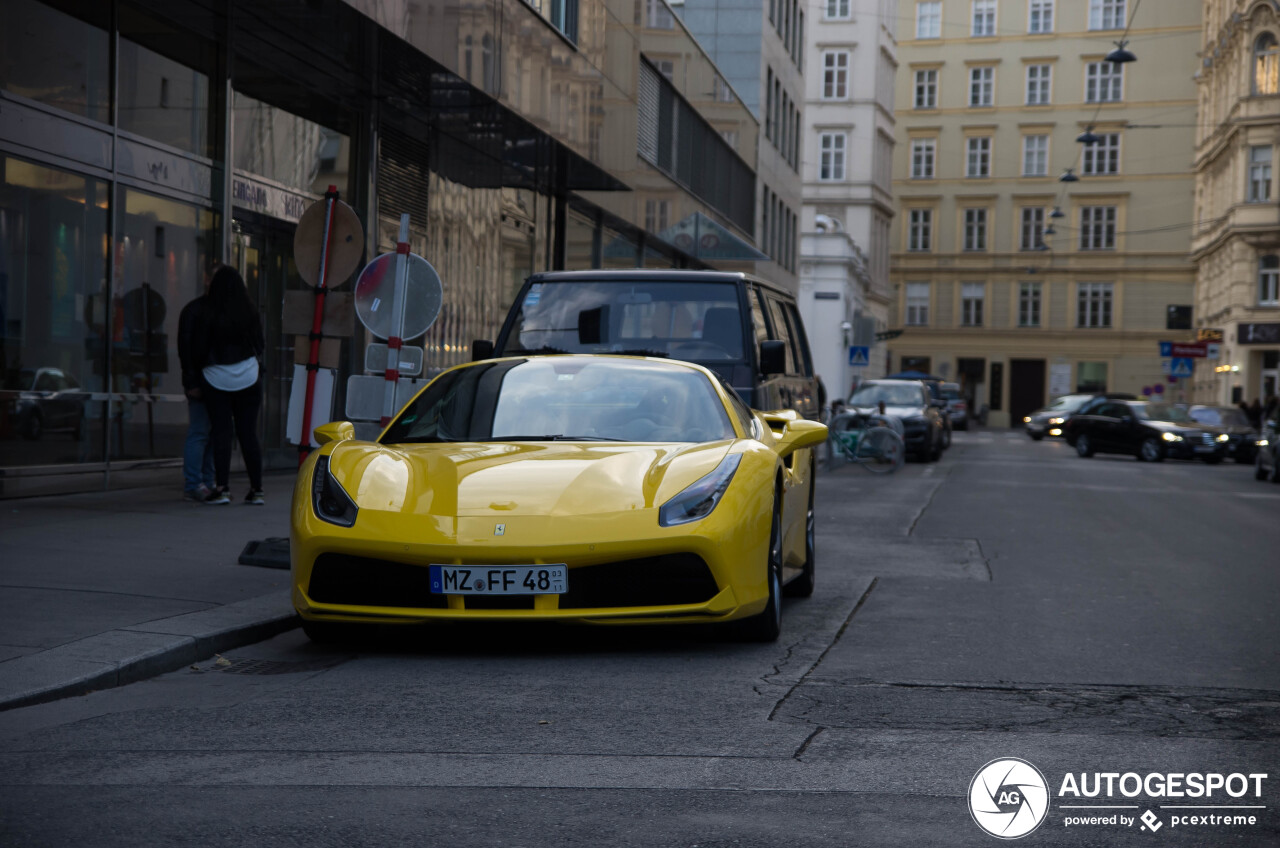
[
  {"x": 1181, "y": 366},
  {"x": 859, "y": 356}
]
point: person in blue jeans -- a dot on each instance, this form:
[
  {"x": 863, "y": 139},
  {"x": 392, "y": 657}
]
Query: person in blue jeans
[{"x": 197, "y": 453}]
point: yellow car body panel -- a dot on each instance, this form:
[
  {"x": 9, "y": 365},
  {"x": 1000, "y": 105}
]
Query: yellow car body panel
[{"x": 582, "y": 504}]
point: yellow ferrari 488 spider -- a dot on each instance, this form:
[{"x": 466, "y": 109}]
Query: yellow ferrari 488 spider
[{"x": 600, "y": 489}]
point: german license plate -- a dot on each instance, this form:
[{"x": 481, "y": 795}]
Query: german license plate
[
  {"x": 500, "y": 579},
  {"x": 1205, "y": 448}
]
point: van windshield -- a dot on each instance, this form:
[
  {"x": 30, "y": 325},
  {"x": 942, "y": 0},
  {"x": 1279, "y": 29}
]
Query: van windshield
[{"x": 682, "y": 320}]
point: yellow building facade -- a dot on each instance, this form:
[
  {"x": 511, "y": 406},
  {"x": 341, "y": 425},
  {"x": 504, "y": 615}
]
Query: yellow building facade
[
  {"x": 1006, "y": 279},
  {"x": 1236, "y": 243}
]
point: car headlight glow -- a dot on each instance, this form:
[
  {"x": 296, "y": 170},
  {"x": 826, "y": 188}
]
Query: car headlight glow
[
  {"x": 1222, "y": 437},
  {"x": 1055, "y": 432},
  {"x": 329, "y": 500},
  {"x": 1262, "y": 443},
  {"x": 699, "y": 499},
  {"x": 1057, "y": 420},
  {"x": 1026, "y": 419},
  {"x": 1171, "y": 437}
]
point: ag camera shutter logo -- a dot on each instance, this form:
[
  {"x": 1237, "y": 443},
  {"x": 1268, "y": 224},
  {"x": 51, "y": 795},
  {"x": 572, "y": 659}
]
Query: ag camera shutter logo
[{"x": 1008, "y": 798}]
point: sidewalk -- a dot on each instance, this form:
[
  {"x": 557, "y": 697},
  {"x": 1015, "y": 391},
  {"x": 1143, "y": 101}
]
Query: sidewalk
[{"x": 102, "y": 589}]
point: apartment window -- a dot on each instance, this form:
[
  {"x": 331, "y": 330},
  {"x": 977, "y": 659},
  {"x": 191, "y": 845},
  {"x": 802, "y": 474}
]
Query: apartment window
[
  {"x": 1097, "y": 228},
  {"x": 1038, "y": 77},
  {"x": 927, "y": 89},
  {"x": 978, "y": 159},
  {"x": 1106, "y": 14},
  {"x": 1028, "y": 304},
  {"x": 972, "y": 296},
  {"x": 982, "y": 82},
  {"x": 667, "y": 68},
  {"x": 1103, "y": 82},
  {"x": 1040, "y": 16},
  {"x": 1031, "y": 230},
  {"x": 657, "y": 214},
  {"x": 768, "y": 104},
  {"x": 975, "y": 229},
  {"x": 837, "y": 10},
  {"x": 929, "y": 20},
  {"x": 658, "y": 16},
  {"x": 1269, "y": 280},
  {"x": 724, "y": 91},
  {"x": 1035, "y": 155},
  {"x": 564, "y": 17},
  {"x": 917, "y": 304},
  {"x": 923, "y": 157},
  {"x": 1259, "y": 174},
  {"x": 920, "y": 230},
  {"x": 730, "y": 138},
  {"x": 984, "y": 18},
  {"x": 835, "y": 75},
  {"x": 1266, "y": 65},
  {"x": 1103, "y": 156},
  {"x": 831, "y": 167},
  {"x": 1093, "y": 305}
]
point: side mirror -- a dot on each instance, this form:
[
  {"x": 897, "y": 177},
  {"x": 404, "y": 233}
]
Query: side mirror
[
  {"x": 481, "y": 349},
  {"x": 773, "y": 357},
  {"x": 801, "y": 433},
  {"x": 335, "y": 431}
]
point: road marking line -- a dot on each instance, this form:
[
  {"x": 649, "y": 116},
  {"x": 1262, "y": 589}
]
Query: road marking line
[{"x": 1263, "y": 495}]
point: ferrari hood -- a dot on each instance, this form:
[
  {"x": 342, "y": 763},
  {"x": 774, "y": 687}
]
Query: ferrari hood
[{"x": 515, "y": 479}]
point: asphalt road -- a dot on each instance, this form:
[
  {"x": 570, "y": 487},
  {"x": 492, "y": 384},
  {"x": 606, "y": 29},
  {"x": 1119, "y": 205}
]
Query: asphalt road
[{"x": 1013, "y": 600}]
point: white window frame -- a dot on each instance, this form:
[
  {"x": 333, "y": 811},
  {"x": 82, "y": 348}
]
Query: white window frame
[
  {"x": 929, "y": 19},
  {"x": 1269, "y": 281},
  {"x": 1035, "y": 155},
  {"x": 983, "y": 19},
  {"x": 1103, "y": 82},
  {"x": 832, "y": 151},
  {"x": 982, "y": 86},
  {"x": 836, "y": 10},
  {"x": 835, "y": 75},
  {"x": 977, "y": 159},
  {"x": 1107, "y": 14},
  {"x": 1039, "y": 88},
  {"x": 975, "y": 230},
  {"x": 1094, "y": 305},
  {"x": 1030, "y": 303},
  {"x": 924, "y": 158},
  {"x": 920, "y": 230},
  {"x": 1039, "y": 16},
  {"x": 1031, "y": 228},
  {"x": 1266, "y": 64},
  {"x": 1259, "y": 173},
  {"x": 916, "y": 300},
  {"x": 973, "y": 297},
  {"x": 1102, "y": 158},
  {"x": 926, "y": 84},
  {"x": 1098, "y": 227},
  {"x": 658, "y": 16}
]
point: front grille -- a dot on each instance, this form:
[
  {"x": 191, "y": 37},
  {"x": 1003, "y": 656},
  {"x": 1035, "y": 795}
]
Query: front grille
[
  {"x": 653, "y": 581},
  {"x": 364, "y": 581},
  {"x": 1207, "y": 438}
]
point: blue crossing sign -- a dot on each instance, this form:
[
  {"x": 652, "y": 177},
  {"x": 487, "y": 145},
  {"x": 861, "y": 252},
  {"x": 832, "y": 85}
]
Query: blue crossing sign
[
  {"x": 859, "y": 356},
  {"x": 1181, "y": 366}
]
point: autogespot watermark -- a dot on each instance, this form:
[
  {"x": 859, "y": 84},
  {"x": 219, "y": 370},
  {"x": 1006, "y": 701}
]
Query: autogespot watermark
[{"x": 1009, "y": 798}]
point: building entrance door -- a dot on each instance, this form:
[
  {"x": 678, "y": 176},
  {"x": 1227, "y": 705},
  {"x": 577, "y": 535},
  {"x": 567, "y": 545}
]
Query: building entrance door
[
  {"x": 1026, "y": 388},
  {"x": 262, "y": 251}
]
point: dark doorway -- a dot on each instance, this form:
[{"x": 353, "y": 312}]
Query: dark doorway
[
  {"x": 970, "y": 373},
  {"x": 1026, "y": 388}
]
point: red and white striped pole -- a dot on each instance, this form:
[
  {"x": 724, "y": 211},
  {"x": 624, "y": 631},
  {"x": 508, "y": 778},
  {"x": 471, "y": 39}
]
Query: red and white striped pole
[
  {"x": 317, "y": 323},
  {"x": 394, "y": 341}
]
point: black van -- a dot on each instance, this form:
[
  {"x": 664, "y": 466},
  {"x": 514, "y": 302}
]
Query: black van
[{"x": 745, "y": 329}]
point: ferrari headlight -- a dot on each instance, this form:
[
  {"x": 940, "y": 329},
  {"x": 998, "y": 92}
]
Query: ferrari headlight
[
  {"x": 1056, "y": 420},
  {"x": 1223, "y": 437},
  {"x": 699, "y": 499},
  {"x": 329, "y": 500},
  {"x": 1171, "y": 437}
]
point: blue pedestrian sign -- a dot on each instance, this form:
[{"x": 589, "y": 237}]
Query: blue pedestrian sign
[
  {"x": 1181, "y": 366},
  {"x": 859, "y": 356}
]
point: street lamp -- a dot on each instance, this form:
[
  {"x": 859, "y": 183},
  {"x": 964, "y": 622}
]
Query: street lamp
[
  {"x": 1088, "y": 137},
  {"x": 1119, "y": 56},
  {"x": 1068, "y": 177}
]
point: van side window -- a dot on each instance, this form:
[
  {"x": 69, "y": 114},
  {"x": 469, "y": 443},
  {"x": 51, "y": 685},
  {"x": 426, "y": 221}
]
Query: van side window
[
  {"x": 799, "y": 340},
  {"x": 757, "y": 316},
  {"x": 782, "y": 332}
]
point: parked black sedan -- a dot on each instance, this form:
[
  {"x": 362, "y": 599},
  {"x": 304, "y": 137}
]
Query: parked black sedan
[
  {"x": 1149, "y": 431},
  {"x": 1242, "y": 436}
]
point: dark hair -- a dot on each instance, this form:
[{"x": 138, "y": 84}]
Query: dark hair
[{"x": 233, "y": 314}]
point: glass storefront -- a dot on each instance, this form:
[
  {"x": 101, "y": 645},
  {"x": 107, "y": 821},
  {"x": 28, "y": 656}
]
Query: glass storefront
[{"x": 70, "y": 72}]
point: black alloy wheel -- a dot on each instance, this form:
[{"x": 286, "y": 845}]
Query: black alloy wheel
[
  {"x": 1084, "y": 445},
  {"x": 1150, "y": 450},
  {"x": 802, "y": 586},
  {"x": 767, "y": 625}
]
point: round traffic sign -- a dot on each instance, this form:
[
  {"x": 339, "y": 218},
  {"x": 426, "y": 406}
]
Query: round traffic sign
[
  {"x": 346, "y": 244},
  {"x": 375, "y": 293}
]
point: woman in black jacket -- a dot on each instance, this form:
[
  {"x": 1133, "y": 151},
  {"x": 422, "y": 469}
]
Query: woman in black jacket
[{"x": 228, "y": 343}]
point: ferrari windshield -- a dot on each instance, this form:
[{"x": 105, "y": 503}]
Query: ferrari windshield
[
  {"x": 681, "y": 319},
  {"x": 565, "y": 399},
  {"x": 892, "y": 394}
]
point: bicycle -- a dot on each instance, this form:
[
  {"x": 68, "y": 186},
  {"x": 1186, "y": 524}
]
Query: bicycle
[{"x": 871, "y": 441}]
